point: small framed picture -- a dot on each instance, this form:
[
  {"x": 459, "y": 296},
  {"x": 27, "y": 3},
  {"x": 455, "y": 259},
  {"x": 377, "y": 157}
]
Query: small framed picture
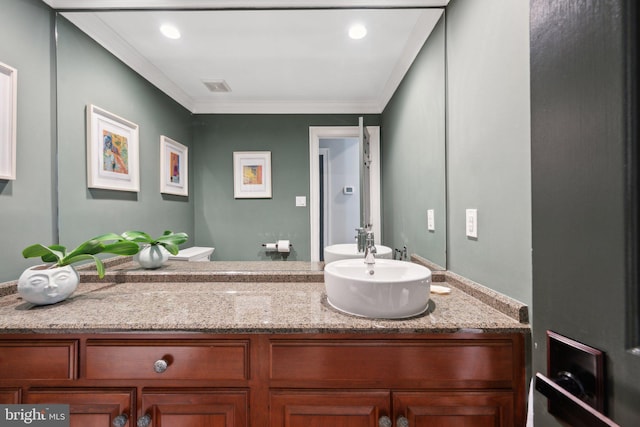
[
  {"x": 174, "y": 167},
  {"x": 8, "y": 114},
  {"x": 112, "y": 151},
  {"x": 252, "y": 174}
]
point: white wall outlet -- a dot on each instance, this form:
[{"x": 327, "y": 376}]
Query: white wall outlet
[
  {"x": 472, "y": 223},
  {"x": 431, "y": 222},
  {"x": 301, "y": 201}
]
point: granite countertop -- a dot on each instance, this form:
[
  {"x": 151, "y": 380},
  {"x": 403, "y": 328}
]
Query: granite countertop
[{"x": 120, "y": 303}]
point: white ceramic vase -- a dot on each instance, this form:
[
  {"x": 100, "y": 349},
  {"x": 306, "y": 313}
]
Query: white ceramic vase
[
  {"x": 43, "y": 284},
  {"x": 152, "y": 256}
]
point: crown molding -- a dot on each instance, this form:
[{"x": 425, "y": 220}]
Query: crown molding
[{"x": 237, "y": 4}]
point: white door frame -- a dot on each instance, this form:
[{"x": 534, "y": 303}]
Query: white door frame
[
  {"x": 327, "y": 194},
  {"x": 319, "y": 132}
]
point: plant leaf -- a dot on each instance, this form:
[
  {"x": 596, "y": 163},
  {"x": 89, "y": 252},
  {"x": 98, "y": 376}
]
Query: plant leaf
[
  {"x": 176, "y": 239},
  {"x": 121, "y": 248},
  {"x": 137, "y": 236},
  {"x": 48, "y": 254},
  {"x": 82, "y": 257},
  {"x": 173, "y": 249}
]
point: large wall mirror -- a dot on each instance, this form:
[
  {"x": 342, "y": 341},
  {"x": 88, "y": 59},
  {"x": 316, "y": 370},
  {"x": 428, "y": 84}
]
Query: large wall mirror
[{"x": 247, "y": 78}]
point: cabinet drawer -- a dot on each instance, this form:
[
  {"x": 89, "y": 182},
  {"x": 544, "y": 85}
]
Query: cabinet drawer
[
  {"x": 185, "y": 360},
  {"x": 38, "y": 359},
  {"x": 450, "y": 363}
]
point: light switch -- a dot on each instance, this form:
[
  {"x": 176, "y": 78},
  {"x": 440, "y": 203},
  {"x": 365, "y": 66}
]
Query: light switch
[
  {"x": 431, "y": 223},
  {"x": 301, "y": 201},
  {"x": 472, "y": 223}
]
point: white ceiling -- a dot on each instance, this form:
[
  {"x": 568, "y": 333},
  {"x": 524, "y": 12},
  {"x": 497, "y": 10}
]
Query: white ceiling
[{"x": 274, "y": 60}]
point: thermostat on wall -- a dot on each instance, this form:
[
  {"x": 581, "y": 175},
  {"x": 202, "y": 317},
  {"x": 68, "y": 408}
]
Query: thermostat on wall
[{"x": 348, "y": 189}]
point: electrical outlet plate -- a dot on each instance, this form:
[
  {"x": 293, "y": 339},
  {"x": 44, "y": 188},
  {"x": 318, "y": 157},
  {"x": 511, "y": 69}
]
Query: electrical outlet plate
[
  {"x": 584, "y": 363},
  {"x": 431, "y": 223},
  {"x": 472, "y": 223}
]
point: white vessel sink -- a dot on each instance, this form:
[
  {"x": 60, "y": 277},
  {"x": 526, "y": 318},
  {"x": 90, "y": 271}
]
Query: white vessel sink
[
  {"x": 350, "y": 251},
  {"x": 395, "y": 290}
]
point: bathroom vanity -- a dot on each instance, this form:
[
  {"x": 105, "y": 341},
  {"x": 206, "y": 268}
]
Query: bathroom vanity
[{"x": 246, "y": 353}]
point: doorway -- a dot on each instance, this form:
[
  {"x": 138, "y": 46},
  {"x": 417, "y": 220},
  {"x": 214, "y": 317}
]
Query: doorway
[{"x": 330, "y": 228}]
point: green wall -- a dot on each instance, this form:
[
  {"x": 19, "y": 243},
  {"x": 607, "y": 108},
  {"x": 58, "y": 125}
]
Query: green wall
[
  {"x": 238, "y": 227},
  {"x": 488, "y": 143},
  {"x": 413, "y": 155},
  {"x": 88, "y": 74},
  {"x": 27, "y": 203}
]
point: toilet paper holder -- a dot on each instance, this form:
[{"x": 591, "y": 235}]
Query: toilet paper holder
[{"x": 277, "y": 246}]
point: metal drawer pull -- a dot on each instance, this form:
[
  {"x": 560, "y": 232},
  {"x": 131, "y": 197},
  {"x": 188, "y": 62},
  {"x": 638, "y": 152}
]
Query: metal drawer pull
[
  {"x": 144, "y": 421},
  {"x": 384, "y": 421},
  {"x": 402, "y": 422},
  {"x": 120, "y": 420},
  {"x": 160, "y": 366}
]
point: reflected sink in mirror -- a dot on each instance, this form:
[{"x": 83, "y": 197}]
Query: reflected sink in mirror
[
  {"x": 350, "y": 251},
  {"x": 388, "y": 289}
]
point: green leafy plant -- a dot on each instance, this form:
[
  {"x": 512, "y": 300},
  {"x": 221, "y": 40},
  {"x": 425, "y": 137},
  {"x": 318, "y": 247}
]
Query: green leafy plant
[
  {"x": 169, "y": 240},
  {"x": 106, "y": 243}
]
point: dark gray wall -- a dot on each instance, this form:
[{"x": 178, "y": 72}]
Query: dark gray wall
[
  {"x": 88, "y": 74},
  {"x": 238, "y": 227},
  {"x": 27, "y": 203},
  {"x": 413, "y": 155},
  {"x": 579, "y": 88}
]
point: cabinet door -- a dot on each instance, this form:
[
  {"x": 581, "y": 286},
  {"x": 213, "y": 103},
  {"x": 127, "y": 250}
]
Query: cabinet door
[
  {"x": 9, "y": 395},
  {"x": 455, "y": 409},
  {"x": 89, "y": 407},
  {"x": 201, "y": 408},
  {"x": 328, "y": 409}
]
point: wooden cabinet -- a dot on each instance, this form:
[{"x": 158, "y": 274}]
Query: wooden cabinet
[
  {"x": 201, "y": 408},
  {"x": 88, "y": 407},
  {"x": 299, "y": 408},
  {"x": 278, "y": 380}
]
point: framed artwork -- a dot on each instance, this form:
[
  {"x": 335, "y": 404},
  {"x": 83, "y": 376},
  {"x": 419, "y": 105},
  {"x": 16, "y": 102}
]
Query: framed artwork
[
  {"x": 8, "y": 123},
  {"x": 112, "y": 151},
  {"x": 174, "y": 164},
  {"x": 252, "y": 174}
]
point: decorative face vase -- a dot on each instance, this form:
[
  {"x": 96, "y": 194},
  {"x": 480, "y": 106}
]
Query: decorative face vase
[{"x": 42, "y": 285}]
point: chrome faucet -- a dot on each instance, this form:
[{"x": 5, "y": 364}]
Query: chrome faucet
[
  {"x": 361, "y": 239},
  {"x": 370, "y": 249}
]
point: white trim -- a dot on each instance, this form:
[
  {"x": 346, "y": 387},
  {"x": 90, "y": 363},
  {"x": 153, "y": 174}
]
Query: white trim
[
  {"x": 327, "y": 192},
  {"x": 201, "y": 106},
  {"x": 315, "y": 134},
  {"x": 227, "y": 4}
]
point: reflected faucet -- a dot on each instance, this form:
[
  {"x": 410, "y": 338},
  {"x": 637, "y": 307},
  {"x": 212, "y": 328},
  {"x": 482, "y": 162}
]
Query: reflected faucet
[
  {"x": 370, "y": 249},
  {"x": 361, "y": 239}
]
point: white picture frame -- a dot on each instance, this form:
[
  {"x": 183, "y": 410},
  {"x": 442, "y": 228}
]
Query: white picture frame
[
  {"x": 252, "y": 174},
  {"x": 8, "y": 121},
  {"x": 174, "y": 167},
  {"x": 112, "y": 151}
]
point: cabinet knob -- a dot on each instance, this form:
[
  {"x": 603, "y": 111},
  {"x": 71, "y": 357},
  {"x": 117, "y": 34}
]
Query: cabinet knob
[
  {"x": 120, "y": 420},
  {"x": 160, "y": 366},
  {"x": 144, "y": 421},
  {"x": 402, "y": 422},
  {"x": 384, "y": 421}
]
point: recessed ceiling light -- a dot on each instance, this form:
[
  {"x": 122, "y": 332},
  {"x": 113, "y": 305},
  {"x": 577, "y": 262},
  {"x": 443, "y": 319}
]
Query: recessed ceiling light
[
  {"x": 357, "y": 31},
  {"x": 170, "y": 31}
]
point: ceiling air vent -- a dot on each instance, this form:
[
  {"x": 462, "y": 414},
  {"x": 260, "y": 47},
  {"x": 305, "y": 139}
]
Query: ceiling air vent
[{"x": 217, "y": 86}]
